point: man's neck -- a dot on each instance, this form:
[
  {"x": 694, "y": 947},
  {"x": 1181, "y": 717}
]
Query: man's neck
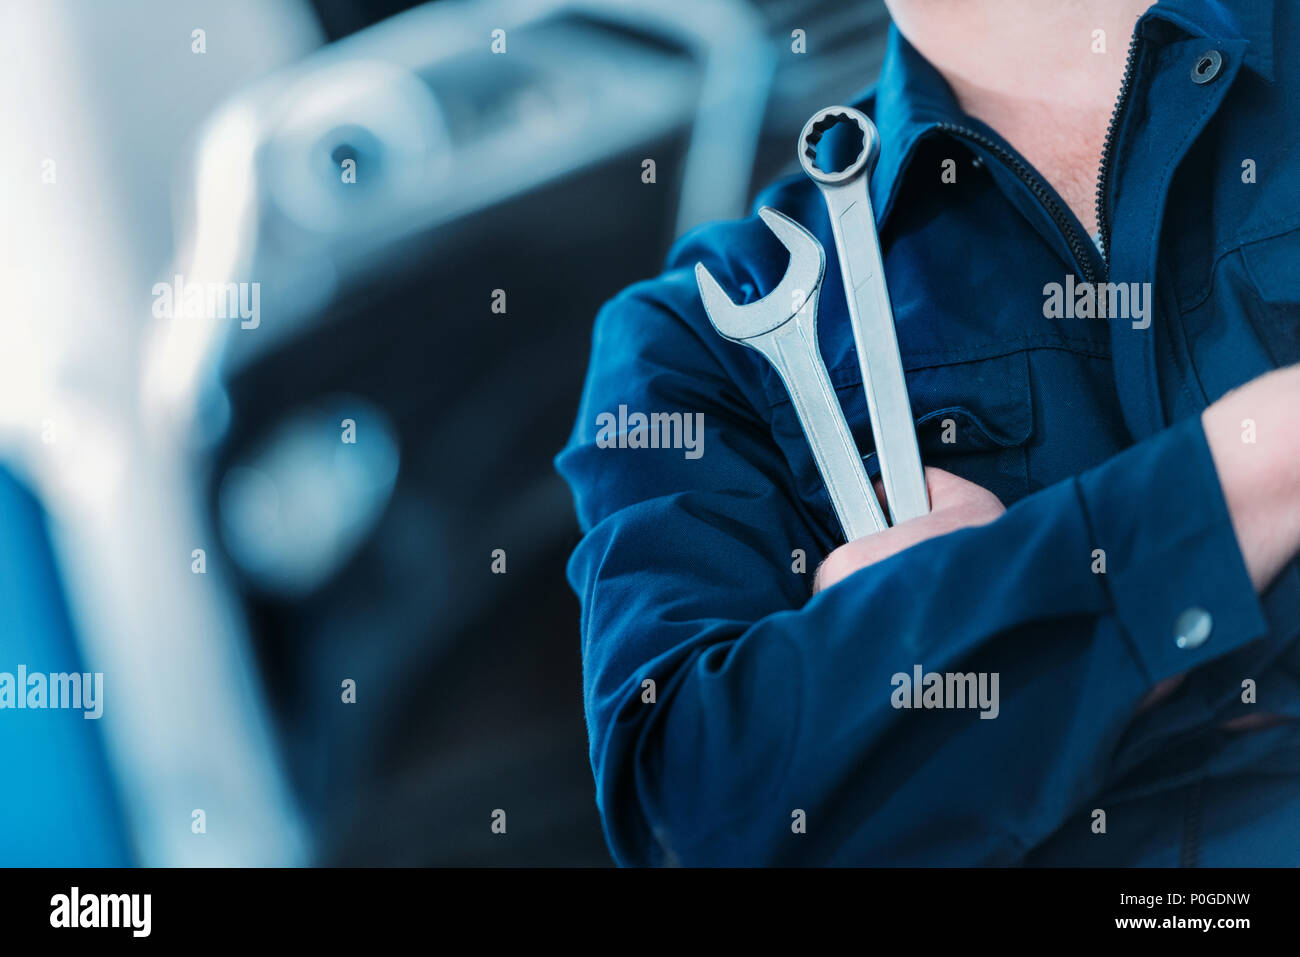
[{"x": 1037, "y": 72}]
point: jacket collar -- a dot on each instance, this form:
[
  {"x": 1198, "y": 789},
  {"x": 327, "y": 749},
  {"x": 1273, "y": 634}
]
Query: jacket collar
[
  {"x": 1249, "y": 20},
  {"x": 912, "y": 97},
  {"x": 909, "y": 100}
]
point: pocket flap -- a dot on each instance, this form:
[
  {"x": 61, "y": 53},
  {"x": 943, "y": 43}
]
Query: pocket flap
[
  {"x": 1273, "y": 265},
  {"x": 981, "y": 405}
]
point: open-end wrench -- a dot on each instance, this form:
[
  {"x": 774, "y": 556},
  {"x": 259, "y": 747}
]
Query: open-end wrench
[
  {"x": 870, "y": 314},
  {"x": 782, "y": 327}
]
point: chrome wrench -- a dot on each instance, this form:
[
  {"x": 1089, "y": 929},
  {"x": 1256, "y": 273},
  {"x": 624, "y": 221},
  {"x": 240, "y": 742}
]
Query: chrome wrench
[
  {"x": 870, "y": 314},
  {"x": 782, "y": 327}
]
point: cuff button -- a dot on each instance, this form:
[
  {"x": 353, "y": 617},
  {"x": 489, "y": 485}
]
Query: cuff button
[{"x": 1192, "y": 629}]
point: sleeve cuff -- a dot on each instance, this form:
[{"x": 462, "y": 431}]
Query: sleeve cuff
[{"x": 1174, "y": 570}]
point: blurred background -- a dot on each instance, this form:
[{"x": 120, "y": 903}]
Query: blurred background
[{"x": 432, "y": 212}]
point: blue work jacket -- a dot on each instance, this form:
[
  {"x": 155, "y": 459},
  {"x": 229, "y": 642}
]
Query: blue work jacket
[{"x": 734, "y": 719}]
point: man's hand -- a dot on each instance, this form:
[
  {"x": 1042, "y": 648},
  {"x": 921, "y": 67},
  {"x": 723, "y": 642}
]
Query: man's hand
[
  {"x": 954, "y": 503},
  {"x": 1254, "y": 436}
]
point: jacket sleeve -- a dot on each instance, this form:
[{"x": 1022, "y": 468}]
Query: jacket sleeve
[{"x": 734, "y": 720}]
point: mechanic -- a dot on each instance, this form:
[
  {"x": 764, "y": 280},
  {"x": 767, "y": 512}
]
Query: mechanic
[{"x": 1138, "y": 595}]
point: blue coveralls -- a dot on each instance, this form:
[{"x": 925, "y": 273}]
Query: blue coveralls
[{"x": 768, "y": 704}]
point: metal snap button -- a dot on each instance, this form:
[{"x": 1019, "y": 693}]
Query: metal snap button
[
  {"x": 1207, "y": 66},
  {"x": 1192, "y": 629}
]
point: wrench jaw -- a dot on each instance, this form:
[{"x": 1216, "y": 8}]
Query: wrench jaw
[
  {"x": 807, "y": 260},
  {"x": 797, "y": 289},
  {"x": 730, "y": 320}
]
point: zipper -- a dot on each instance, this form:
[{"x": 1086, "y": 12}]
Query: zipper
[
  {"x": 1079, "y": 244},
  {"x": 1108, "y": 147}
]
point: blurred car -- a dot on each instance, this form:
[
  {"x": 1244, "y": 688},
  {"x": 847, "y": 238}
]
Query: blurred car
[{"x": 432, "y": 207}]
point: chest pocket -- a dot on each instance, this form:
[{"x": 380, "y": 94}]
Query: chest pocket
[
  {"x": 973, "y": 418},
  {"x": 1272, "y": 267}
]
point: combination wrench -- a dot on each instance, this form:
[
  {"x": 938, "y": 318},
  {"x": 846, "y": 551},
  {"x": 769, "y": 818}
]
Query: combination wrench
[
  {"x": 870, "y": 314},
  {"x": 782, "y": 327}
]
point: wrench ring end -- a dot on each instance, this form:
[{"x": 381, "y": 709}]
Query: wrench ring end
[{"x": 821, "y": 122}]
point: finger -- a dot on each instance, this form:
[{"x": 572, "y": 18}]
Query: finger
[
  {"x": 939, "y": 482},
  {"x": 944, "y": 479},
  {"x": 948, "y": 490},
  {"x": 879, "y": 486}
]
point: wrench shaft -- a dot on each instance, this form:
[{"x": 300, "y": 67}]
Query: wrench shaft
[
  {"x": 872, "y": 320},
  {"x": 793, "y": 353}
]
